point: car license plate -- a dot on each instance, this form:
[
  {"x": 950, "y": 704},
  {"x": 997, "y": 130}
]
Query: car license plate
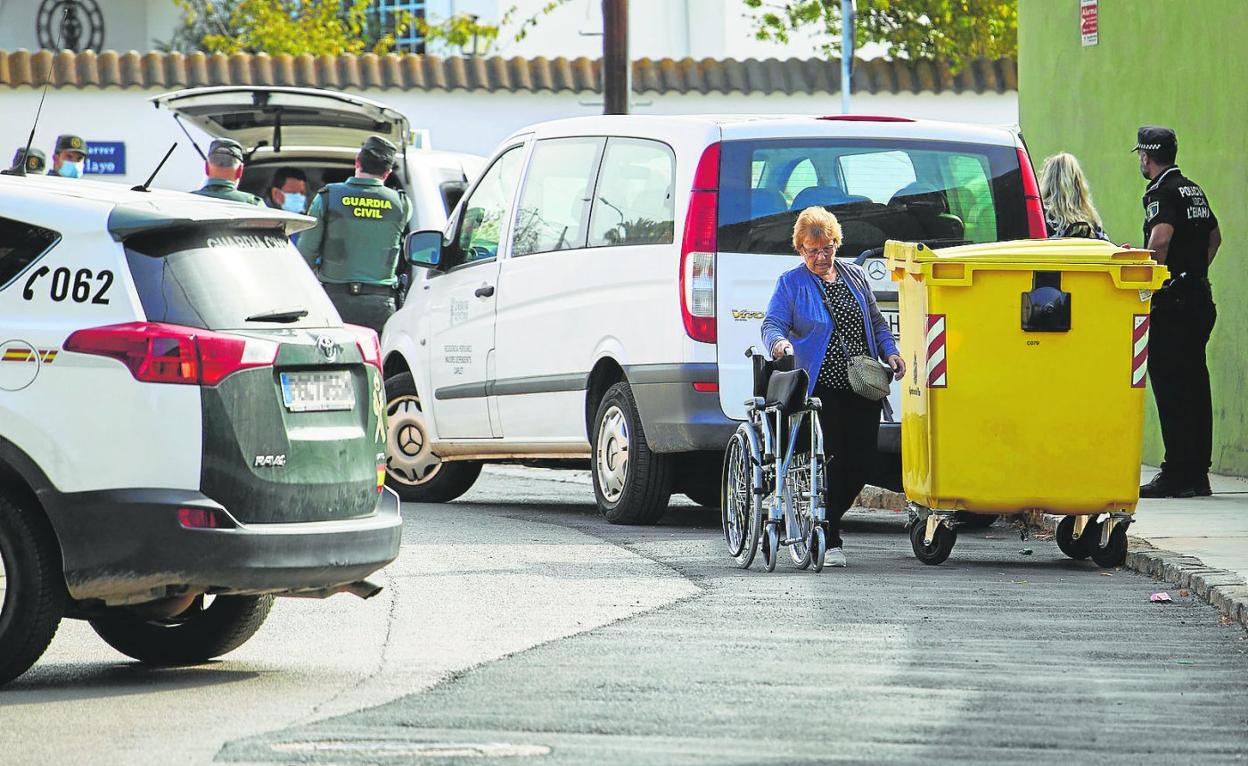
[
  {"x": 317, "y": 391},
  {"x": 894, "y": 321}
]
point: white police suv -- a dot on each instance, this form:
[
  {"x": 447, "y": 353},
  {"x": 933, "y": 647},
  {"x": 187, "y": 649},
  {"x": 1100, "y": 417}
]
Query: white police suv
[{"x": 187, "y": 429}]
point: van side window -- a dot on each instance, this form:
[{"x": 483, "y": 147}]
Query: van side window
[
  {"x": 481, "y": 225},
  {"x": 634, "y": 203},
  {"x": 20, "y": 244},
  {"x": 554, "y": 205}
]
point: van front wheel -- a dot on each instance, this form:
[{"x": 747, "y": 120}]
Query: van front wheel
[{"x": 631, "y": 484}]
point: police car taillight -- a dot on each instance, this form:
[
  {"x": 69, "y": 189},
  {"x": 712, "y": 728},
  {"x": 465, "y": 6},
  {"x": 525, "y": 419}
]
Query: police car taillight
[
  {"x": 1031, "y": 194},
  {"x": 368, "y": 344},
  {"x": 155, "y": 352},
  {"x": 697, "y": 251}
]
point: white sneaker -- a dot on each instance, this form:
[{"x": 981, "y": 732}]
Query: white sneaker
[{"x": 835, "y": 557}]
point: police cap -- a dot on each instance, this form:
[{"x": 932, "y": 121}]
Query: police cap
[
  {"x": 1159, "y": 143},
  {"x": 380, "y": 149},
  {"x": 226, "y": 147},
  {"x": 71, "y": 143},
  {"x": 36, "y": 160}
]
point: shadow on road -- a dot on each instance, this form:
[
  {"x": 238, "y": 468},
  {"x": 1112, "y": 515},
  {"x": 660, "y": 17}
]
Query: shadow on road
[{"x": 61, "y": 682}]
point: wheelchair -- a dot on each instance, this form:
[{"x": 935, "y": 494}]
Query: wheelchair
[{"x": 773, "y": 482}]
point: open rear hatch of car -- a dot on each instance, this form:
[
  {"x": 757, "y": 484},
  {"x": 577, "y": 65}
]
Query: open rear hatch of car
[
  {"x": 292, "y": 400},
  {"x": 290, "y": 118}
]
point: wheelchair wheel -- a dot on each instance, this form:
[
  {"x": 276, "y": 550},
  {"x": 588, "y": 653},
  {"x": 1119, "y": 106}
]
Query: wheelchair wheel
[
  {"x": 818, "y": 547},
  {"x": 742, "y": 517},
  {"x": 771, "y": 546},
  {"x": 798, "y": 519}
]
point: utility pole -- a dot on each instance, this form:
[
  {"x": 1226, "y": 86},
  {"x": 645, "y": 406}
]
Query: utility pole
[
  {"x": 848, "y": 22},
  {"x": 617, "y": 75}
]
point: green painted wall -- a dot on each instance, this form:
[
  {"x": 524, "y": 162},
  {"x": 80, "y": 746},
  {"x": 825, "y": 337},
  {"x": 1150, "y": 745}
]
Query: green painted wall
[{"x": 1178, "y": 63}]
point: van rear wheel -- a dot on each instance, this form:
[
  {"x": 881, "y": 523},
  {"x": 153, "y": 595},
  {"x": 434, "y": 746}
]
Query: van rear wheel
[
  {"x": 412, "y": 470},
  {"x": 632, "y": 484}
]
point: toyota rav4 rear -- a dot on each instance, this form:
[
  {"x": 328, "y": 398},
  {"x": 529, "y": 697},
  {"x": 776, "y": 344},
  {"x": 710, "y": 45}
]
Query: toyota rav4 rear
[{"x": 202, "y": 434}]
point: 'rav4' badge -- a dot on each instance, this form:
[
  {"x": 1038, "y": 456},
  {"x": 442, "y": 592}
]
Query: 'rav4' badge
[{"x": 270, "y": 461}]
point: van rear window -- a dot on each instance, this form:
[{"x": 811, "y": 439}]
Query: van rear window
[
  {"x": 220, "y": 279},
  {"x": 937, "y": 192}
]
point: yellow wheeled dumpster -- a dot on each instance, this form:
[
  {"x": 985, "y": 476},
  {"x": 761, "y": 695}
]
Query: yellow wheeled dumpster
[{"x": 1025, "y": 386}]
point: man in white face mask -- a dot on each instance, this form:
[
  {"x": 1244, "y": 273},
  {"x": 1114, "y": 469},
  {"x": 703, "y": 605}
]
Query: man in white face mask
[
  {"x": 289, "y": 190},
  {"x": 70, "y": 157}
]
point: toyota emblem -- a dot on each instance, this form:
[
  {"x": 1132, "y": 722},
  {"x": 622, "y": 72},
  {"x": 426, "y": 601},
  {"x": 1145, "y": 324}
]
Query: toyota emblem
[{"x": 327, "y": 347}]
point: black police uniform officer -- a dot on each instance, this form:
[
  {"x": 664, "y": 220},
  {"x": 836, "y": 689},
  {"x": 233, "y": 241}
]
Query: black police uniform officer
[
  {"x": 223, "y": 153},
  {"x": 1183, "y": 315},
  {"x": 354, "y": 247}
]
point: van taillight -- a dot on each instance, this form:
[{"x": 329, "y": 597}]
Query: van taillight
[
  {"x": 164, "y": 353},
  {"x": 1031, "y": 193},
  {"x": 368, "y": 344},
  {"x": 697, "y": 252}
]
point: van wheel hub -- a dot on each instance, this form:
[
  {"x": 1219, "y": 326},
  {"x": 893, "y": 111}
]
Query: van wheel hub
[
  {"x": 611, "y": 455},
  {"x": 409, "y": 459}
]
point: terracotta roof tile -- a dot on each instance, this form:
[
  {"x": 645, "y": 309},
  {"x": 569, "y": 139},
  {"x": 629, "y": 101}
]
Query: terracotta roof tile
[{"x": 22, "y": 68}]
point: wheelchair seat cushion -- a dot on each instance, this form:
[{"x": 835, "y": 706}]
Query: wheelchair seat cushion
[{"x": 787, "y": 390}]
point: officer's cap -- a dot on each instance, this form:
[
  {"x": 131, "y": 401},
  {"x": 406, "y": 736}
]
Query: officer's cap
[
  {"x": 36, "y": 160},
  {"x": 380, "y": 149},
  {"x": 226, "y": 147},
  {"x": 71, "y": 143},
  {"x": 1160, "y": 143}
]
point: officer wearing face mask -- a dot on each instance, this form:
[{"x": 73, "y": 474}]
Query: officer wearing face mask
[
  {"x": 289, "y": 190},
  {"x": 1182, "y": 231},
  {"x": 224, "y": 168},
  {"x": 70, "y": 157}
]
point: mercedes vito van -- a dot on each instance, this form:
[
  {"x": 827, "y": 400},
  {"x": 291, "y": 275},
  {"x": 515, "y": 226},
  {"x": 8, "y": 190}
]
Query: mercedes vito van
[{"x": 593, "y": 295}]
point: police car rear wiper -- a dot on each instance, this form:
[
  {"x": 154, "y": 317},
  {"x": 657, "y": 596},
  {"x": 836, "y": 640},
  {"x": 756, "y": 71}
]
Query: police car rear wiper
[{"x": 282, "y": 316}]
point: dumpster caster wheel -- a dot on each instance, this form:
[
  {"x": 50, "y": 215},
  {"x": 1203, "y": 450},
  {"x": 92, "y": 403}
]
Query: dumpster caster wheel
[
  {"x": 975, "y": 520},
  {"x": 1077, "y": 549},
  {"x": 1114, "y": 554},
  {"x": 818, "y": 547},
  {"x": 942, "y": 543},
  {"x": 771, "y": 547}
]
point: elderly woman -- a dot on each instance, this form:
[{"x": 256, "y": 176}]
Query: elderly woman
[{"x": 825, "y": 313}]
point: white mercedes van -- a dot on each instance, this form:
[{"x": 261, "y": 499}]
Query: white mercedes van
[{"x": 595, "y": 291}]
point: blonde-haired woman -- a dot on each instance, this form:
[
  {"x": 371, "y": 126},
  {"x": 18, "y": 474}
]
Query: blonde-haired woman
[
  {"x": 1068, "y": 208},
  {"x": 825, "y": 313}
]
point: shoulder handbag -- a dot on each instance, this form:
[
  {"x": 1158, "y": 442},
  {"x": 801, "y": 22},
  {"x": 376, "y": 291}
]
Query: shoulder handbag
[{"x": 868, "y": 377}]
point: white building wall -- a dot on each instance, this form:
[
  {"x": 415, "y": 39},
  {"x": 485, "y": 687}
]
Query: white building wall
[
  {"x": 458, "y": 121},
  {"x": 657, "y": 29},
  {"x": 128, "y": 24}
]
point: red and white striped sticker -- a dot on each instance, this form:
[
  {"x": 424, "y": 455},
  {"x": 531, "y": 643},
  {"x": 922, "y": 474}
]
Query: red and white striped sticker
[
  {"x": 937, "y": 376},
  {"x": 1139, "y": 351}
]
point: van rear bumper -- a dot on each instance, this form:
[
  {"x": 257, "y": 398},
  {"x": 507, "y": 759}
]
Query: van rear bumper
[
  {"x": 675, "y": 417},
  {"x": 127, "y": 546}
]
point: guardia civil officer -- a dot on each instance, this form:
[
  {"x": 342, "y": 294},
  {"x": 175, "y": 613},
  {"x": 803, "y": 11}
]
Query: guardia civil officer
[
  {"x": 354, "y": 246},
  {"x": 224, "y": 168},
  {"x": 1180, "y": 228},
  {"x": 70, "y": 158},
  {"x": 35, "y": 161}
]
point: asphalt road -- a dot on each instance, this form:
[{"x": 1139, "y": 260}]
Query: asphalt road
[{"x": 519, "y": 628}]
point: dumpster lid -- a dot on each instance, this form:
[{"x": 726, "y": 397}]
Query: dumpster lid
[{"x": 1073, "y": 250}]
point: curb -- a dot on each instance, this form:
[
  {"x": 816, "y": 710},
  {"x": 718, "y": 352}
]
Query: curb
[{"x": 1224, "y": 590}]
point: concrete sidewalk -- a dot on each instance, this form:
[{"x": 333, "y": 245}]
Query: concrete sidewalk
[{"x": 1214, "y": 529}]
